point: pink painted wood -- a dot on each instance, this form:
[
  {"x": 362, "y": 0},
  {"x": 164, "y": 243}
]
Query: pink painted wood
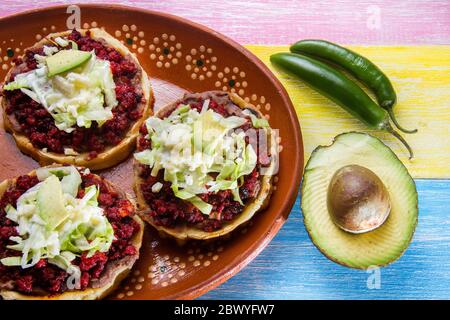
[{"x": 285, "y": 21}]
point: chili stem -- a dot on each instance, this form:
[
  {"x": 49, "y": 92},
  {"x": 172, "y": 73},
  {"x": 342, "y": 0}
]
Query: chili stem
[
  {"x": 402, "y": 140},
  {"x": 391, "y": 114}
]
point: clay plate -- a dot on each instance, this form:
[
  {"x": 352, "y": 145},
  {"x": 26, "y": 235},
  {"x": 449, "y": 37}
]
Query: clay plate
[{"x": 179, "y": 56}]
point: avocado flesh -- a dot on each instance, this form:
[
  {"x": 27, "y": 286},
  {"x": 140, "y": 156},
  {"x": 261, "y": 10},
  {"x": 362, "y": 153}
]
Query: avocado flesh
[
  {"x": 66, "y": 60},
  {"x": 375, "y": 248},
  {"x": 50, "y": 202}
]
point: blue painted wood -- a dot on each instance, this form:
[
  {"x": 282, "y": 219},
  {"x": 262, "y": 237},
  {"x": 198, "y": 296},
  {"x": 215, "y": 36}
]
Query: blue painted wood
[{"x": 292, "y": 268}]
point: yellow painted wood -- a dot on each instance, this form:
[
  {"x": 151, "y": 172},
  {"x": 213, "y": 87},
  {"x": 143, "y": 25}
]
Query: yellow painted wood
[{"x": 421, "y": 78}]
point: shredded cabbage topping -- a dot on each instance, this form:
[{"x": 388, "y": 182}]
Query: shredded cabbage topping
[
  {"x": 192, "y": 147},
  {"x": 58, "y": 233},
  {"x": 76, "y": 97}
]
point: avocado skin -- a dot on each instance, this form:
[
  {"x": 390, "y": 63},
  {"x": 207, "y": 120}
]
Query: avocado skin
[{"x": 310, "y": 229}]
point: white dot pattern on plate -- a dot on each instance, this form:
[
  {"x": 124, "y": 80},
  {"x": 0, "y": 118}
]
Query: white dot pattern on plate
[
  {"x": 132, "y": 37},
  {"x": 232, "y": 80},
  {"x": 165, "y": 50},
  {"x": 200, "y": 63}
]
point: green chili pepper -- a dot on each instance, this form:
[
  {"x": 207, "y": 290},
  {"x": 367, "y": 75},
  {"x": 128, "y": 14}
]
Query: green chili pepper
[
  {"x": 360, "y": 67},
  {"x": 334, "y": 85}
]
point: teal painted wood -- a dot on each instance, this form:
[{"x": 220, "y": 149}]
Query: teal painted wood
[{"x": 292, "y": 268}]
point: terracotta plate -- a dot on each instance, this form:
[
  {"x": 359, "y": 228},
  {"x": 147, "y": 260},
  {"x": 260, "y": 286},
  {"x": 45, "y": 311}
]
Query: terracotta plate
[{"x": 179, "y": 56}]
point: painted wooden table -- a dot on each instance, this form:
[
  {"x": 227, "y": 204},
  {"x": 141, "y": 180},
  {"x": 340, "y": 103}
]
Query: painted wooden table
[{"x": 291, "y": 267}]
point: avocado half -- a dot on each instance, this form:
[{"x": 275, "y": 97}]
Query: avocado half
[{"x": 375, "y": 248}]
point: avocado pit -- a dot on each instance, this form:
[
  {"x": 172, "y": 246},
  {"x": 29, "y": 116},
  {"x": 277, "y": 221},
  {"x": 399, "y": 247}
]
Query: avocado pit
[{"x": 357, "y": 199}]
